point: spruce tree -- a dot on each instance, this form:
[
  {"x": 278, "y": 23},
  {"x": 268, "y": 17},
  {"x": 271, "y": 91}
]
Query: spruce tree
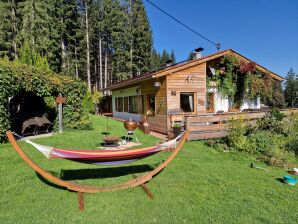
[
  {"x": 291, "y": 89},
  {"x": 165, "y": 57},
  {"x": 156, "y": 63},
  {"x": 35, "y": 24},
  {"x": 120, "y": 38},
  {"x": 64, "y": 25},
  {"x": 115, "y": 38},
  {"x": 172, "y": 57},
  {"x": 141, "y": 44},
  {"x": 9, "y": 28}
]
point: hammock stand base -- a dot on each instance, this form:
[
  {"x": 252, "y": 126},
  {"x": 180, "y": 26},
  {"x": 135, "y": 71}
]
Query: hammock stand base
[
  {"x": 80, "y": 188},
  {"x": 81, "y": 202}
]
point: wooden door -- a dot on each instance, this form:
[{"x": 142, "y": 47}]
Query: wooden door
[{"x": 211, "y": 102}]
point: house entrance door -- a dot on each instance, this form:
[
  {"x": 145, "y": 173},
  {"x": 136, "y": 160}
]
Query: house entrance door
[{"x": 210, "y": 102}]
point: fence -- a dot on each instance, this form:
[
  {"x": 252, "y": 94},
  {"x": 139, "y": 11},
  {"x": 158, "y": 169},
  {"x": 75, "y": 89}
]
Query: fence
[{"x": 215, "y": 126}]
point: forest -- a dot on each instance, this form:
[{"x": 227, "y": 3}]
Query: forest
[{"x": 99, "y": 41}]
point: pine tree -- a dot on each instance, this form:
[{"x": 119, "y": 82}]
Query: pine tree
[
  {"x": 64, "y": 24},
  {"x": 291, "y": 89},
  {"x": 9, "y": 28},
  {"x": 165, "y": 57},
  {"x": 116, "y": 43},
  {"x": 141, "y": 44},
  {"x": 29, "y": 56},
  {"x": 172, "y": 57},
  {"x": 119, "y": 42},
  {"x": 156, "y": 63},
  {"x": 35, "y": 24}
]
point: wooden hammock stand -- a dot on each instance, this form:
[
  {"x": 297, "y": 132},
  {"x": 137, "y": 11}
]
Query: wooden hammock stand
[{"x": 80, "y": 189}]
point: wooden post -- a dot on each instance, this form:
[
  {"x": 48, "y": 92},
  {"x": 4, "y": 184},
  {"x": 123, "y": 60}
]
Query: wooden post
[
  {"x": 81, "y": 200},
  {"x": 146, "y": 189},
  {"x": 60, "y": 118},
  {"x": 60, "y": 100}
]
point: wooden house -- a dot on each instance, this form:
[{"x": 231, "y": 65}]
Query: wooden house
[{"x": 175, "y": 92}]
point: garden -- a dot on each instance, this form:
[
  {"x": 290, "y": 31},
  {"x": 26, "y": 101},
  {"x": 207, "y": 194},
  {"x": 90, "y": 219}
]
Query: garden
[
  {"x": 200, "y": 185},
  {"x": 272, "y": 139}
]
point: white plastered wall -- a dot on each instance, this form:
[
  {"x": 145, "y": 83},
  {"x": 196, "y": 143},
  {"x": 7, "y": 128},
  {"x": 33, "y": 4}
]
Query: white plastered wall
[{"x": 221, "y": 102}]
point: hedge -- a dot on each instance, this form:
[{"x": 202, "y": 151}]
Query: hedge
[{"x": 15, "y": 78}]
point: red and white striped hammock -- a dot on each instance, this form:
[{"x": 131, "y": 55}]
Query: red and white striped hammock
[{"x": 104, "y": 157}]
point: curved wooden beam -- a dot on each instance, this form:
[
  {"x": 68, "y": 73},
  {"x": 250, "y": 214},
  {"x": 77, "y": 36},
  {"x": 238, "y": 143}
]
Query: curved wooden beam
[{"x": 95, "y": 189}]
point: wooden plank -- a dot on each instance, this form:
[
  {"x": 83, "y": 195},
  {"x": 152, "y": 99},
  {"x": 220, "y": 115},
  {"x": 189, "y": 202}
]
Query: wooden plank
[
  {"x": 204, "y": 135},
  {"x": 203, "y": 119},
  {"x": 225, "y": 117},
  {"x": 212, "y": 127}
]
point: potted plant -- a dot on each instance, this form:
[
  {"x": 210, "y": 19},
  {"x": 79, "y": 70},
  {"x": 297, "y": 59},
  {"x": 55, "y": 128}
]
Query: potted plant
[{"x": 177, "y": 129}]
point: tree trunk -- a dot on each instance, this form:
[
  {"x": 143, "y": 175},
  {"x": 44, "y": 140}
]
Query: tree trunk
[
  {"x": 100, "y": 63},
  {"x": 63, "y": 54},
  {"x": 88, "y": 47},
  {"x": 131, "y": 39},
  {"x": 14, "y": 28},
  {"x": 131, "y": 71},
  {"x": 76, "y": 63},
  {"x": 96, "y": 78},
  {"x": 106, "y": 70}
]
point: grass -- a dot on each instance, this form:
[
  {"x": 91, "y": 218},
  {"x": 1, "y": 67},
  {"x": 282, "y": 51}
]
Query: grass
[{"x": 201, "y": 185}]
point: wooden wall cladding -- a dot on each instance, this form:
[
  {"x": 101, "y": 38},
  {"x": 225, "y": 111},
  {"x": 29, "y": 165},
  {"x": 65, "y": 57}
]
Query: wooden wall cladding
[{"x": 192, "y": 79}]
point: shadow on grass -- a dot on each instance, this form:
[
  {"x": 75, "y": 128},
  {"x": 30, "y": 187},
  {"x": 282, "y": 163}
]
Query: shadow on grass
[
  {"x": 280, "y": 180},
  {"x": 48, "y": 182},
  {"x": 127, "y": 138},
  {"x": 84, "y": 174},
  {"x": 105, "y": 133}
]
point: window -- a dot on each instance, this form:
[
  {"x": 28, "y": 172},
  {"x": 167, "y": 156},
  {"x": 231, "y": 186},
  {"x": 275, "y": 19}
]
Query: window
[
  {"x": 125, "y": 102},
  {"x": 135, "y": 105},
  {"x": 116, "y": 103},
  {"x": 130, "y": 104},
  {"x": 187, "y": 102},
  {"x": 151, "y": 105},
  {"x": 119, "y": 104}
]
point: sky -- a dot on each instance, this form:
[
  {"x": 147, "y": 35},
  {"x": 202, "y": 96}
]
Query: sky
[{"x": 265, "y": 31}]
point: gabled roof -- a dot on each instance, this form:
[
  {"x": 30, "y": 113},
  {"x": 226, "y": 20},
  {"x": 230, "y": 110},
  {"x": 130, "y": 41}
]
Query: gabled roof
[{"x": 187, "y": 64}]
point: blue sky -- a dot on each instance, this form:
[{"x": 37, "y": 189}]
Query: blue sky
[{"x": 266, "y": 31}]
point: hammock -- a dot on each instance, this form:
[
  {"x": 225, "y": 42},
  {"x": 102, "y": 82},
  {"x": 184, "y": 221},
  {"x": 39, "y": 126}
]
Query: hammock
[
  {"x": 137, "y": 181},
  {"x": 103, "y": 157}
]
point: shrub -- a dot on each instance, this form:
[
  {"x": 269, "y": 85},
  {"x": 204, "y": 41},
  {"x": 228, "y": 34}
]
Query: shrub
[
  {"x": 96, "y": 97},
  {"x": 278, "y": 157},
  {"x": 272, "y": 121},
  {"x": 261, "y": 141},
  {"x": 273, "y": 138},
  {"x": 292, "y": 145},
  {"x": 88, "y": 104},
  {"x": 236, "y": 138},
  {"x": 177, "y": 126},
  {"x": 15, "y": 78}
]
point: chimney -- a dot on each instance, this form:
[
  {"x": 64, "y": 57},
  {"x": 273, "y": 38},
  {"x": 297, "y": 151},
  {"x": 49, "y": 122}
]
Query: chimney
[
  {"x": 169, "y": 63},
  {"x": 198, "y": 53}
]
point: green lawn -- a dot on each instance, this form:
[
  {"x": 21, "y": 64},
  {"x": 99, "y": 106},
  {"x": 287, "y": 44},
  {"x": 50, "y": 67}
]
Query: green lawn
[{"x": 201, "y": 185}]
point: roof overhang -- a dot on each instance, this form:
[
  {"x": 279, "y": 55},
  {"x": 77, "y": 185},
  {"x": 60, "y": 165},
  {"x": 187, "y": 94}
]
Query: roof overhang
[
  {"x": 178, "y": 67},
  {"x": 192, "y": 63}
]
